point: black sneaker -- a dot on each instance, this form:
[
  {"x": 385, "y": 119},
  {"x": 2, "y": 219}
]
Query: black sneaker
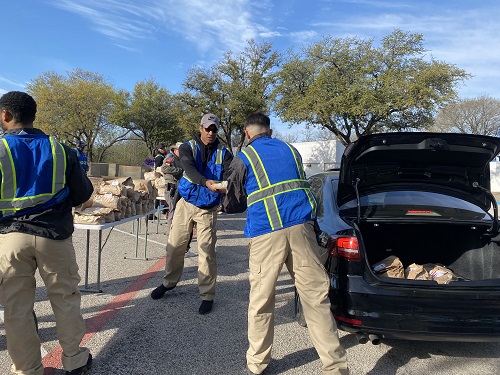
[
  {"x": 158, "y": 292},
  {"x": 82, "y": 370},
  {"x": 205, "y": 307}
]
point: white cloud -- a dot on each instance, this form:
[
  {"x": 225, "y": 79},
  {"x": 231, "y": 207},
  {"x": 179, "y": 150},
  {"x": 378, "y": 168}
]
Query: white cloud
[
  {"x": 119, "y": 20},
  {"x": 303, "y": 36},
  {"x": 215, "y": 28},
  {"x": 10, "y": 83}
]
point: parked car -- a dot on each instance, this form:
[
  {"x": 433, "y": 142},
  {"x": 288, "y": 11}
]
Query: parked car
[{"x": 420, "y": 199}]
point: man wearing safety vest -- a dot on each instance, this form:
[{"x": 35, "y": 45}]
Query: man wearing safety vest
[
  {"x": 41, "y": 180},
  {"x": 269, "y": 179},
  {"x": 82, "y": 157},
  {"x": 205, "y": 162}
]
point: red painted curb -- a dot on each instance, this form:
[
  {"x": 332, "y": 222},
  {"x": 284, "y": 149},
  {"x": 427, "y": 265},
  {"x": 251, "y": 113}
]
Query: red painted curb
[{"x": 52, "y": 360}]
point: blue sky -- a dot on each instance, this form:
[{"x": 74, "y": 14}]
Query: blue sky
[{"x": 129, "y": 41}]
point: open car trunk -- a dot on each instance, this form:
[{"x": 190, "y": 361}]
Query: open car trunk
[{"x": 465, "y": 250}]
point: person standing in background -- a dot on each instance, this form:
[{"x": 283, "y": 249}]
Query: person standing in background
[
  {"x": 41, "y": 180},
  {"x": 161, "y": 154},
  {"x": 172, "y": 172},
  {"x": 82, "y": 156}
]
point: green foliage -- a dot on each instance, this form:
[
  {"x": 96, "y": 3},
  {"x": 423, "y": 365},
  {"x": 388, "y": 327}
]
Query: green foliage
[
  {"x": 352, "y": 88},
  {"x": 149, "y": 114},
  {"x": 346, "y": 87},
  {"x": 234, "y": 88},
  {"x": 130, "y": 152},
  {"x": 76, "y": 107}
]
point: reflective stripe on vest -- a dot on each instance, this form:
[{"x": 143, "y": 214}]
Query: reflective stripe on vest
[
  {"x": 267, "y": 191},
  {"x": 300, "y": 167},
  {"x": 194, "y": 148},
  {"x": 9, "y": 203}
]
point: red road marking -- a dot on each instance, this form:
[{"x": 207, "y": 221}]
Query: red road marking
[{"x": 52, "y": 360}]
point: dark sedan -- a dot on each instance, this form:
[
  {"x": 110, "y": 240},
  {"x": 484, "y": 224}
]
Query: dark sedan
[{"x": 414, "y": 238}]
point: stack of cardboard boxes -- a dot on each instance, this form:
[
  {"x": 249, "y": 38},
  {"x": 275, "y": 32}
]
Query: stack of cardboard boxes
[{"x": 115, "y": 200}]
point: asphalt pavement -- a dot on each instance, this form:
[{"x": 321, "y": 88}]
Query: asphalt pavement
[{"x": 129, "y": 333}]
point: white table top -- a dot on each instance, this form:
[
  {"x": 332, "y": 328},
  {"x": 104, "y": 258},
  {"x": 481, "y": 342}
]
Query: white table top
[{"x": 113, "y": 223}]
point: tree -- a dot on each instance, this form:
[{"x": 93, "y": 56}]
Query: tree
[
  {"x": 187, "y": 113},
  {"x": 148, "y": 114},
  {"x": 234, "y": 88},
  {"x": 130, "y": 152},
  {"x": 352, "y": 88},
  {"x": 479, "y": 115},
  {"x": 77, "y": 107}
]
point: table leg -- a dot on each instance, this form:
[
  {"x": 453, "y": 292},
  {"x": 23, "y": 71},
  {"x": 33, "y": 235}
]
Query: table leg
[
  {"x": 158, "y": 215},
  {"x": 99, "y": 263},
  {"x": 146, "y": 240},
  {"x": 87, "y": 254},
  {"x": 137, "y": 241},
  {"x": 99, "y": 251}
]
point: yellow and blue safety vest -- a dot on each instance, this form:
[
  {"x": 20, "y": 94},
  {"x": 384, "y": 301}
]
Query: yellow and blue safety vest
[
  {"x": 33, "y": 174},
  {"x": 201, "y": 196},
  {"x": 278, "y": 193},
  {"x": 82, "y": 159}
]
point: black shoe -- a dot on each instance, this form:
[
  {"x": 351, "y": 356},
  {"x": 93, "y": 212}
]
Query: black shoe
[
  {"x": 158, "y": 292},
  {"x": 82, "y": 370},
  {"x": 151, "y": 217},
  {"x": 205, "y": 307}
]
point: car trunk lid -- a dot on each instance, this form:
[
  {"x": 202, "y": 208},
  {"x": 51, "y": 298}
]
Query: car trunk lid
[{"x": 452, "y": 164}]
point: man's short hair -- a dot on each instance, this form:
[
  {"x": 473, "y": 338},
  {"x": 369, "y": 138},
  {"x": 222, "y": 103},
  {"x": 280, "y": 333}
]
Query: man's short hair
[
  {"x": 258, "y": 119},
  {"x": 20, "y": 105}
]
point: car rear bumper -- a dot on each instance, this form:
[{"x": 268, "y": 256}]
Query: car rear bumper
[
  {"x": 409, "y": 313},
  {"x": 419, "y": 336}
]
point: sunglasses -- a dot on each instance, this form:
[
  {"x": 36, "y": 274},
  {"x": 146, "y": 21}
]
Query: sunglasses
[{"x": 210, "y": 130}]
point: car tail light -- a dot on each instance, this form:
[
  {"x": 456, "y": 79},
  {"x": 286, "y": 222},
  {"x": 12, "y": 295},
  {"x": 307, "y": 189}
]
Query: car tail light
[
  {"x": 345, "y": 247},
  {"x": 355, "y": 322}
]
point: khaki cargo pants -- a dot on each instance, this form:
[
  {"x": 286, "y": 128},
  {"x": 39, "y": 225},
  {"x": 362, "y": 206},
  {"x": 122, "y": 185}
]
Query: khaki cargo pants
[
  {"x": 186, "y": 214},
  {"x": 20, "y": 255},
  {"x": 296, "y": 247}
]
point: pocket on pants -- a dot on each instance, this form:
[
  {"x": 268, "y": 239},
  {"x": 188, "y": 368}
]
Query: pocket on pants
[
  {"x": 255, "y": 268},
  {"x": 255, "y": 275}
]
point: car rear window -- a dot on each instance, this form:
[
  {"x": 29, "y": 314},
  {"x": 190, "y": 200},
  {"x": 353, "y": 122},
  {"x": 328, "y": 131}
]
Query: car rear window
[{"x": 415, "y": 204}]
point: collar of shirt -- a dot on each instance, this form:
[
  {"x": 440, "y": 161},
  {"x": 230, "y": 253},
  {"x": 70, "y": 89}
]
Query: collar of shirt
[
  {"x": 26, "y": 130},
  {"x": 261, "y": 135}
]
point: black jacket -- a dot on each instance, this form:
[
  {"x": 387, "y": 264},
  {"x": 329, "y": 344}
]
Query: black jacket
[
  {"x": 173, "y": 172},
  {"x": 159, "y": 158},
  {"x": 235, "y": 199},
  {"x": 56, "y": 222}
]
